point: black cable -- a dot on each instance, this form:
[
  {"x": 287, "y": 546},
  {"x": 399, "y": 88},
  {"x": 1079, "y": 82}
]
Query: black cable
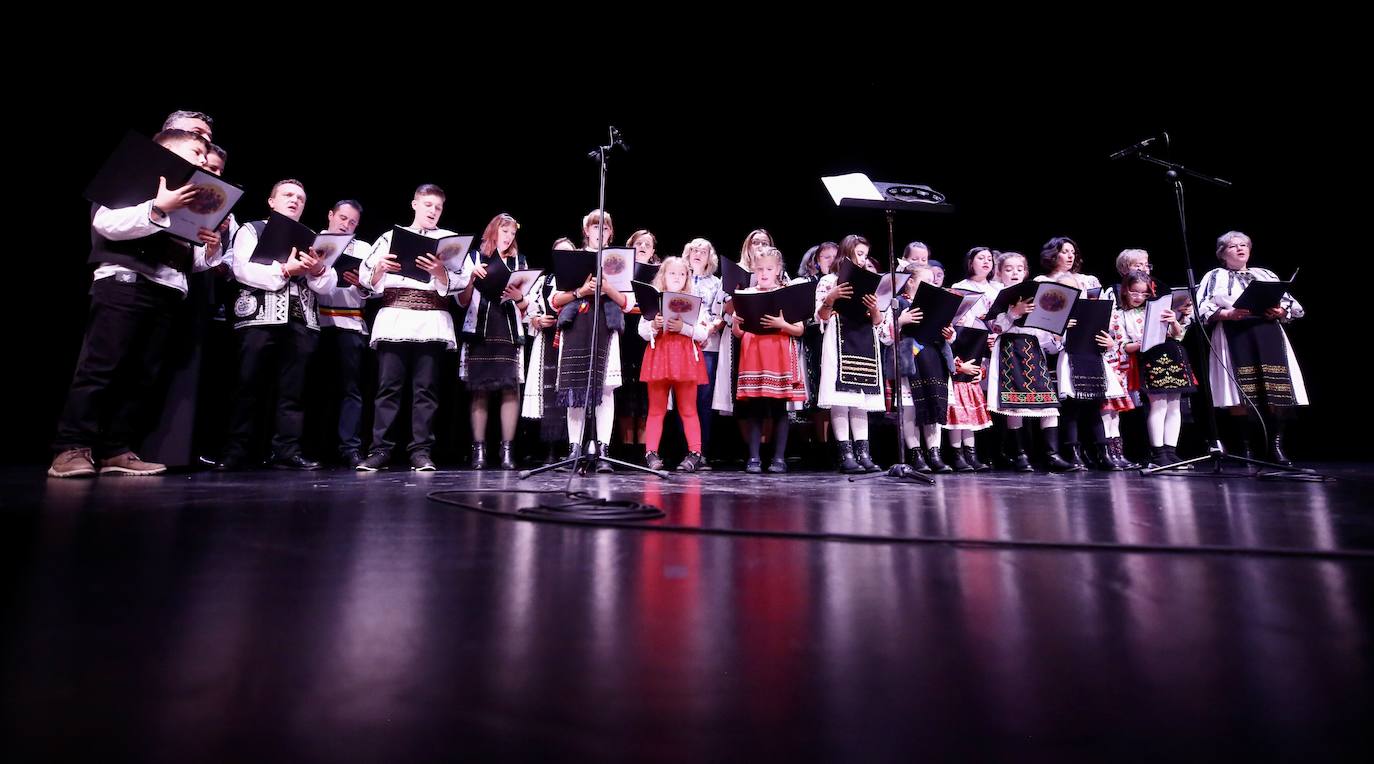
[{"x": 562, "y": 514}]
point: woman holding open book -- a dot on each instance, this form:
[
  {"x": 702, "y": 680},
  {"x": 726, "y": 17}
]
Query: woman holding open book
[
  {"x": 1252, "y": 353},
  {"x": 493, "y": 340}
]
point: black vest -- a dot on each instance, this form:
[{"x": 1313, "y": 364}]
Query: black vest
[
  {"x": 252, "y": 306},
  {"x": 159, "y": 249}
]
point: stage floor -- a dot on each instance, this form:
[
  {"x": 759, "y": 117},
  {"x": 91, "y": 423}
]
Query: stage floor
[{"x": 336, "y": 616}]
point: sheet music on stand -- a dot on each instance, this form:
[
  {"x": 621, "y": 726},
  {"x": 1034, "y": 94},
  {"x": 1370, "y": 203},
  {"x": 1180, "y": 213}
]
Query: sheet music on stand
[{"x": 856, "y": 190}]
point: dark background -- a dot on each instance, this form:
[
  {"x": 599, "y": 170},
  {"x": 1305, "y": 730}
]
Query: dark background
[{"x": 1020, "y": 150}]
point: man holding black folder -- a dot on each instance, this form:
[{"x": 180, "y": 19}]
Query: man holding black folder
[
  {"x": 139, "y": 278},
  {"x": 278, "y": 323},
  {"x": 409, "y": 333},
  {"x": 343, "y": 329}
]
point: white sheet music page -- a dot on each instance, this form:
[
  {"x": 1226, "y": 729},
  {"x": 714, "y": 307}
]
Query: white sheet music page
[{"x": 855, "y": 185}]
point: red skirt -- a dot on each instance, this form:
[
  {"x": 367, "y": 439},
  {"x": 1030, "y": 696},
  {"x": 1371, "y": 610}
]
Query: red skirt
[
  {"x": 673, "y": 358},
  {"x": 1130, "y": 382},
  {"x": 968, "y": 407},
  {"x": 769, "y": 368},
  {"x": 1133, "y": 373}
]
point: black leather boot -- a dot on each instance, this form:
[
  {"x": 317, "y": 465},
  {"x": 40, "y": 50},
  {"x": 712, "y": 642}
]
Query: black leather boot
[
  {"x": 864, "y": 458},
  {"x": 848, "y": 465},
  {"x": 1020, "y": 461},
  {"x": 956, "y": 460},
  {"x": 971, "y": 457},
  {"x": 1053, "y": 460},
  {"x": 937, "y": 465},
  {"x": 1276, "y": 454},
  {"x": 916, "y": 460}
]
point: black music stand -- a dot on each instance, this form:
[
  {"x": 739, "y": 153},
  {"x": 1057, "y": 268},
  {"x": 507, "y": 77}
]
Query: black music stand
[{"x": 856, "y": 190}]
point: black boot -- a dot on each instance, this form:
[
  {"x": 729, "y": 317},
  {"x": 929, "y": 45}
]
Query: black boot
[
  {"x": 553, "y": 454},
  {"x": 507, "y": 455},
  {"x": 864, "y": 459},
  {"x": 1276, "y": 453},
  {"x": 937, "y": 465},
  {"x": 1115, "y": 457},
  {"x": 603, "y": 467},
  {"x": 1159, "y": 457},
  {"x": 479, "y": 455},
  {"x": 1011, "y": 448},
  {"x": 971, "y": 457},
  {"x": 847, "y": 463},
  {"x": 1106, "y": 460},
  {"x": 1241, "y": 433},
  {"x": 1020, "y": 462},
  {"x": 1053, "y": 460},
  {"x": 1174, "y": 458},
  {"x": 956, "y": 460},
  {"x": 915, "y": 460},
  {"x": 1073, "y": 454},
  {"x": 574, "y": 451},
  {"x": 1119, "y": 451}
]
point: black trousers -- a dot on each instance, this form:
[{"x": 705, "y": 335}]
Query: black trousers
[
  {"x": 262, "y": 349},
  {"x": 1072, "y": 413},
  {"x": 396, "y": 362},
  {"x": 346, "y": 349},
  {"x": 108, "y": 404}
]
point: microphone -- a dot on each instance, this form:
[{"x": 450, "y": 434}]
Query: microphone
[
  {"x": 616, "y": 140},
  {"x": 1135, "y": 148}
]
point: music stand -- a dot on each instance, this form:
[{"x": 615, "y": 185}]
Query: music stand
[{"x": 856, "y": 190}]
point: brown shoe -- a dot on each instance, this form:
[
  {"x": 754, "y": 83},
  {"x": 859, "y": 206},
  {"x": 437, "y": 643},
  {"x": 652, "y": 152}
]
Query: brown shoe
[
  {"x": 128, "y": 463},
  {"x": 74, "y": 462}
]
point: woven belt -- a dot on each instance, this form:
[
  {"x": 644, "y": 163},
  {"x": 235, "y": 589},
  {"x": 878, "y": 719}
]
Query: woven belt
[{"x": 413, "y": 299}]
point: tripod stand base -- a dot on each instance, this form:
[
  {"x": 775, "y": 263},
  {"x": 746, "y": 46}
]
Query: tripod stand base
[
  {"x": 1218, "y": 457},
  {"x": 900, "y": 471},
  {"x": 585, "y": 463}
]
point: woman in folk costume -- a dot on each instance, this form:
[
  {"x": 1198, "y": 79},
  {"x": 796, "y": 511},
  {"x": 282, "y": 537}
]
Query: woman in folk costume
[
  {"x": 1083, "y": 380},
  {"x": 493, "y": 340},
  {"x": 1252, "y": 357}
]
